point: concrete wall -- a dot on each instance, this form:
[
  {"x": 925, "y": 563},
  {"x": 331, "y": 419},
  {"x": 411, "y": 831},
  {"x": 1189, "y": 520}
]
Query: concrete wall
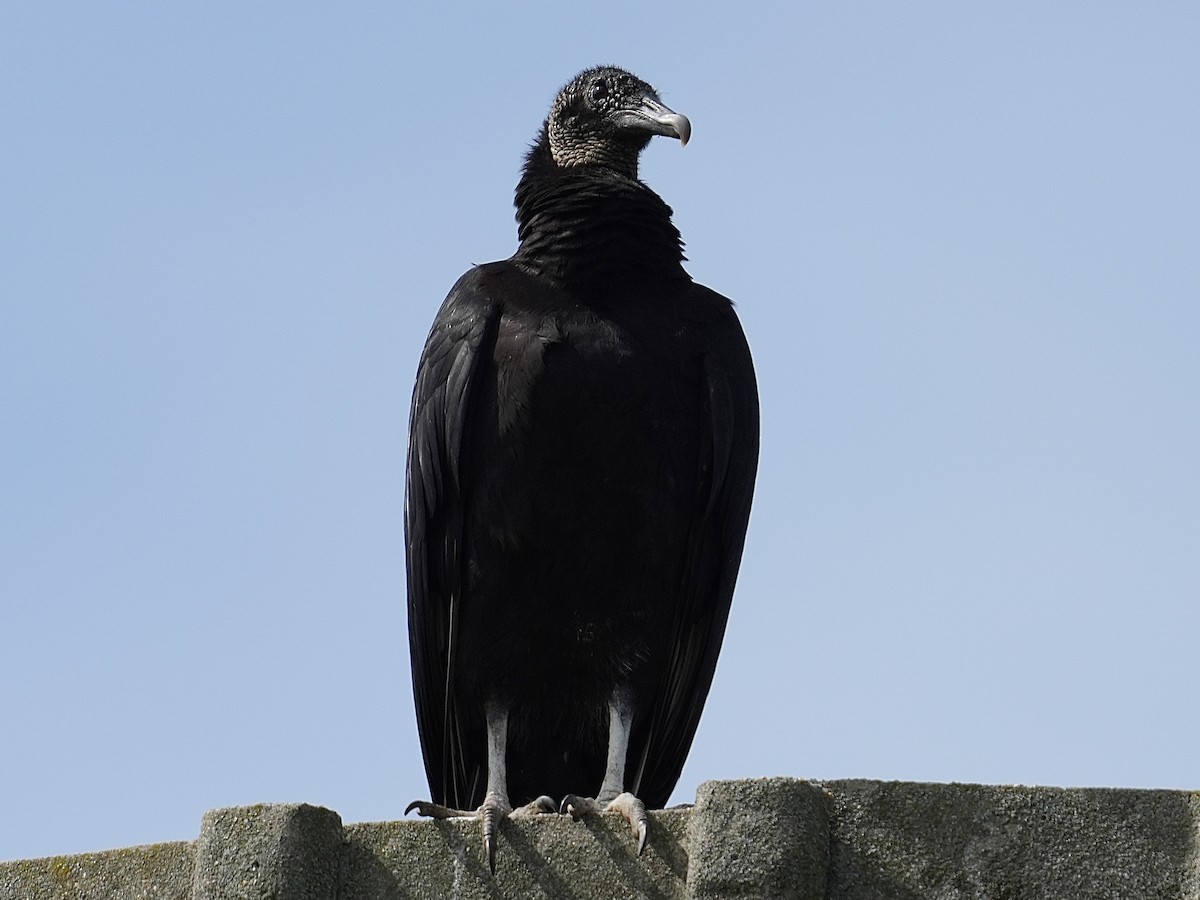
[{"x": 767, "y": 838}]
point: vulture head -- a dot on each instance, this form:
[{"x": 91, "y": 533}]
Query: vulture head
[{"x": 605, "y": 117}]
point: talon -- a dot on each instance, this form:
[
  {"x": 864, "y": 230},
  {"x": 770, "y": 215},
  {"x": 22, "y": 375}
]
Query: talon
[
  {"x": 634, "y": 812},
  {"x": 432, "y": 810},
  {"x": 576, "y": 806},
  {"x": 493, "y": 810},
  {"x": 543, "y": 805},
  {"x": 489, "y": 839}
]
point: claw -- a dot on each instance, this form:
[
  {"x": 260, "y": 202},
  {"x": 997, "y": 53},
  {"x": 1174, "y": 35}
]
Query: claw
[
  {"x": 433, "y": 810},
  {"x": 634, "y": 811},
  {"x": 543, "y": 805},
  {"x": 576, "y": 806},
  {"x": 489, "y": 836},
  {"x": 493, "y": 810}
]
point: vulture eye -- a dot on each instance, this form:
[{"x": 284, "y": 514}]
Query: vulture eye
[{"x": 599, "y": 90}]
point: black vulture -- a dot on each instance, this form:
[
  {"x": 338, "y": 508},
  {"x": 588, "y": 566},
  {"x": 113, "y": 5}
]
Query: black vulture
[{"x": 582, "y": 454}]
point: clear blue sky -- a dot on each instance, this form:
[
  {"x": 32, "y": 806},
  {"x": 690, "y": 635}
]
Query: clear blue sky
[{"x": 965, "y": 244}]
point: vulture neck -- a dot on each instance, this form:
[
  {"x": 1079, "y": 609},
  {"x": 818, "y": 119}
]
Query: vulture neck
[{"x": 591, "y": 228}]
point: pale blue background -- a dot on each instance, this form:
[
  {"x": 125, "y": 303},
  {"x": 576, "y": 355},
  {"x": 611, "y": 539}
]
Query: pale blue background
[{"x": 965, "y": 243}]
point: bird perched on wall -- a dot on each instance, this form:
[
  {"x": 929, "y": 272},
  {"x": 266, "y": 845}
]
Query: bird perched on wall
[{"x": 582, "y": 453}]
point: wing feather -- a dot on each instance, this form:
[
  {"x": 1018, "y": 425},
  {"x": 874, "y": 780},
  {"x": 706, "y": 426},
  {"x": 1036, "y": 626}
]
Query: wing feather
[
  {"x": 726, "y": 485},
  {"x": 458, "y": 344}
]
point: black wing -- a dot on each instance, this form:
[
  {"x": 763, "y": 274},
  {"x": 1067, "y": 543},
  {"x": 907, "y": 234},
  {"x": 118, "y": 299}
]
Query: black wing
[
  {"x": 459, "y": 345},
  {"x": 729, "y": 462}
]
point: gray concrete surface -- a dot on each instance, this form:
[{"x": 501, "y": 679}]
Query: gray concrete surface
[
  {"x": 263, "y": 852},
  {"x": 152, "y": 872},
  {"x": 763, "y": 838},
  {"x": 905, "y": 841},
  {"x": 542, "y": 858},
  {"x": 777, "y": 838}
]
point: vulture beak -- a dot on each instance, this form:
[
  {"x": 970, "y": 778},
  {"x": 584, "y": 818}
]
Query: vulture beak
[{"x": 654, "y": 117}]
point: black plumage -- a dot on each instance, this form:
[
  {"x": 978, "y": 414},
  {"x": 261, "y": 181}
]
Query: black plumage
[{"x": 583, "y": 445}]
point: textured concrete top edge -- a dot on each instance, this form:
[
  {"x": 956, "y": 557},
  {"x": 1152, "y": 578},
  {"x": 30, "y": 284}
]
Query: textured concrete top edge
[
  {"x": 155, "y": 847},
  {"x": 835, "y": 783},
  {"x": 845, "y": 839},
  {"x": 163, "y": 871},
  {"x": 829, "y": 785}
]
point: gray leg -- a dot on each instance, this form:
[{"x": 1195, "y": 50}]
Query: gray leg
[{"x": 613, "y": 796}]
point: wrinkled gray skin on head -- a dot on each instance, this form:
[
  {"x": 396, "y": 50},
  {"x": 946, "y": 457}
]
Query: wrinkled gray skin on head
[{"x": 606, "y": 117}]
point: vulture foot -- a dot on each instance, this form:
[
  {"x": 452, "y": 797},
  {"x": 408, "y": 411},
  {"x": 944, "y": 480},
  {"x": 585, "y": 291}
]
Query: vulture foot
[
  {"x": 495, "y": 808},
  {"x": 630, "y": 807}
]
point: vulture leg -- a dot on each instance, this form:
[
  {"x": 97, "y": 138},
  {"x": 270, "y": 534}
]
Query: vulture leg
[
  {"x": 495, "y": 802},
  {"x": 613, "y": 797}
]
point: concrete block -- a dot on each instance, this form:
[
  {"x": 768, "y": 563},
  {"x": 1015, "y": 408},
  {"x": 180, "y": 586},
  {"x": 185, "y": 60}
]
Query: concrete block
[
  {"x": 151, "y": 872},
  {"x": 932, "y": 841},
  {"x": 268, "y": 852},
  {"x": 763, "y": 838},
  {"x": 538, "y": 858}
]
